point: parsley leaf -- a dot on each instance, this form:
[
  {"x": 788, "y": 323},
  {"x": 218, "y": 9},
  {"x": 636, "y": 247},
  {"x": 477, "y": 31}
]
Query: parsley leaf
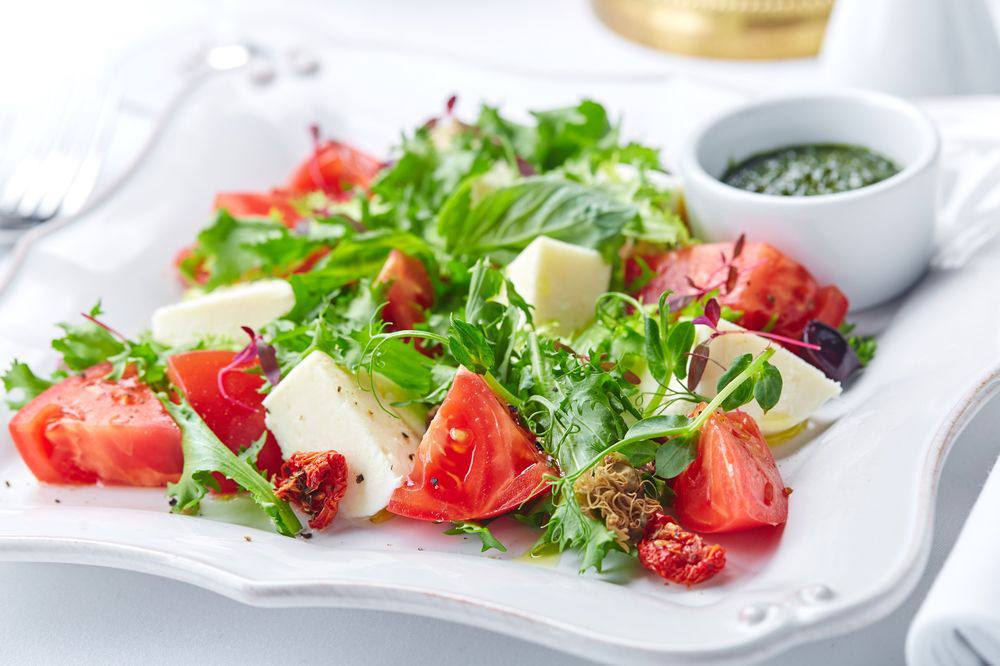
[
  {"x": 864, "y": 346},
  {"x": 480, "y": 530},
  {"x": 87, "y": 344},
  {"x": 570, "y": 526},
  {"x": 19, "y": 377}
]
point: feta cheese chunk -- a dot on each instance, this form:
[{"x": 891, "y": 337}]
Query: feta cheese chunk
[
  {"x": 804, "y": 387},
  {"x": 319, "y": 407},
  {"x": 563, "y": 282},
  {"x": 221, "y": 313}
]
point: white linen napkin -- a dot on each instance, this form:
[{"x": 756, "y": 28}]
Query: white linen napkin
[{"x": 959, "y": 621}]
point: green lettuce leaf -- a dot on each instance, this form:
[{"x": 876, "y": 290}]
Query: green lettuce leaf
[{"x": 204, "y": 454}]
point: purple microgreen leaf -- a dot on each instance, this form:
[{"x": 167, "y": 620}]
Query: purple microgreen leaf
[
  {"x": 702, "y": 320},
  {"x": 256, "y": 350},
  {"x": 738, "y": 246},
  {"x": 731, "y": 279},
  {"x": 713, "y": 311},
  {"x": 829, "y": 351},
  {"x": 524, "y": 167},
  {"x": 696, "y": 369},
  {"x": 449, "y": 106},
  {"x": 265, "y": 355}
]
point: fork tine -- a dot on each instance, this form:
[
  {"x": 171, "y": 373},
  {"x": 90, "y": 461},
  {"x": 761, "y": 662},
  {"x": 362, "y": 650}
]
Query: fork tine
[
  {"x": 84, "y": 178},
  {"x": 50, "y": 167},
  {"x": 27, "y": 140}
]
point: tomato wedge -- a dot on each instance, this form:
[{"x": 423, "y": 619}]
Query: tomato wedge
[
  {"x": 259, "y": 204},
  {"x": 87, "y": 429},
  {"x": 772, "y": 291},
  {"x": 238, "y": 421},
  {"x": 335, "y": 168},
  {"x": 475, "y": 461},
  {"x": 409, "y": 292},
  {"x": 734, "y": 482}
]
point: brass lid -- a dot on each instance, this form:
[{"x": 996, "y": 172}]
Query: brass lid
[{"x": 733, "y": 29}]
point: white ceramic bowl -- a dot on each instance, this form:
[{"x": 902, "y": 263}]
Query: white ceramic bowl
[{"x": 872, "y": 242}]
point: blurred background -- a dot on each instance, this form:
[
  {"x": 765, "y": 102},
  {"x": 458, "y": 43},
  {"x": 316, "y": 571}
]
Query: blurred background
[{"x": 96, "y": 78}]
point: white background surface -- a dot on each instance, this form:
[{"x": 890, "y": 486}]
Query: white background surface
[{"x": 54, "y": 613}]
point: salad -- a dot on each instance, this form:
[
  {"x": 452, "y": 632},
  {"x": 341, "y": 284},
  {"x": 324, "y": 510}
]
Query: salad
[{"x": 504, "y": 319}]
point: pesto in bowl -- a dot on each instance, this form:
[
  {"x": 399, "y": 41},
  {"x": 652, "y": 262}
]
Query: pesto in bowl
[{"x": 810, "y": 169}]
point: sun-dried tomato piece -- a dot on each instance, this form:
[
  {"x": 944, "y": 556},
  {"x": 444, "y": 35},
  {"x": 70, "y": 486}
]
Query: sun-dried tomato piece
[
  {"x": 678, "y": 555},
  {"x": 315, "y": 482}
]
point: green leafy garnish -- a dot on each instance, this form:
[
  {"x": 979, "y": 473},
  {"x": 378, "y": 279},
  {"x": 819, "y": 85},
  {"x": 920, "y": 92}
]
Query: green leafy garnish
[
  {"x": 864, "y": 346},
  {"x": 480, "y": 530},
  {"x": 205, "y": 455},
  {"x": 19, "y": 377}
]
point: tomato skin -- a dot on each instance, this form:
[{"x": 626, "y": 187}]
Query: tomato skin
[
  {"x": 196, "y": 374},
  {"x": 334, "y": 168},
  {"x": 87, "y": 429},
  {"x": 734, "y": 483},
  {"x": 772, "y": 291},
  {"x": 475, "y": 461},
  {"x": 409, "y": 292},
  {"x": 259, "y": 204},
  {"x": 831, "y": 306}
]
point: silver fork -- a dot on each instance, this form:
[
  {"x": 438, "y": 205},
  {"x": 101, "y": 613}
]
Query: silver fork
[{"x": 50, "y": 161}]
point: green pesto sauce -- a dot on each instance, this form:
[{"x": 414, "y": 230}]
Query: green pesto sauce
[{"x": 811, "y": 169}]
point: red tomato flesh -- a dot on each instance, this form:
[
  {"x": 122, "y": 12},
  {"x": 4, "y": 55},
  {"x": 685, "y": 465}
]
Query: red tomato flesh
[
  {"x": 772, "y": 291},
  {"x": 87, "y": 429},
  {"x": 475, "y": 461},
  {"x": 259, "y": 204},
  {"x": 238, "y": 421},
  {"x": 335, "y": 168},
  {"x": 409, "y": 292},
  {"x": 734, "y": 482}
]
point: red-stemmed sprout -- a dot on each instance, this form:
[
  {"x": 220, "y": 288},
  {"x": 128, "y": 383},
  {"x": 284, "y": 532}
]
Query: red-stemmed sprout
[
  {"x": 257, "y": 350},
  {"x": 713, "y": 312},
  {"x": 722, "y": 280},
  {"x": 94, "y": 320},
  {"x": 449, "y": 112}
]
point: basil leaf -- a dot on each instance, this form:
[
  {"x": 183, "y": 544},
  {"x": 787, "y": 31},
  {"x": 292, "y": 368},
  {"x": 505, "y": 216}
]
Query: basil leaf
[
  {"x": 767, "y": 390},
  {"x": 512, "y": 217},
  {"x": 678, "y": 345},
  {"x": 674, "y": 456},
  {"x": 663, "y": 425},
  {"x": 744, "y": 392},
  {"x": 655, "y": 357}
]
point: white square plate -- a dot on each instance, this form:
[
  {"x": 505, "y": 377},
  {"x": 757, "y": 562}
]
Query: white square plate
[{"x": 864, "y": 475}]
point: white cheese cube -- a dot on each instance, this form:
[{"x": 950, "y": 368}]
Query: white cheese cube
[
  {"x": 804, "y": 387},
  {"x": 320, "y": 407},
  {"x": 445, "y": 131},
  {"x": 562, "y": 281},
  {"x": 221, "y": 313}
]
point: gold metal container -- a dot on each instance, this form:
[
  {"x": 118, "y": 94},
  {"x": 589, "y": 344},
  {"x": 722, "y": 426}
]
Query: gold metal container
[{"x": 731, "y": 29}]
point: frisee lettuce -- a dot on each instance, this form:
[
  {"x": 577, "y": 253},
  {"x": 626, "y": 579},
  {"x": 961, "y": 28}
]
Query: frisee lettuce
[{"x": 205, "y": 455}]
